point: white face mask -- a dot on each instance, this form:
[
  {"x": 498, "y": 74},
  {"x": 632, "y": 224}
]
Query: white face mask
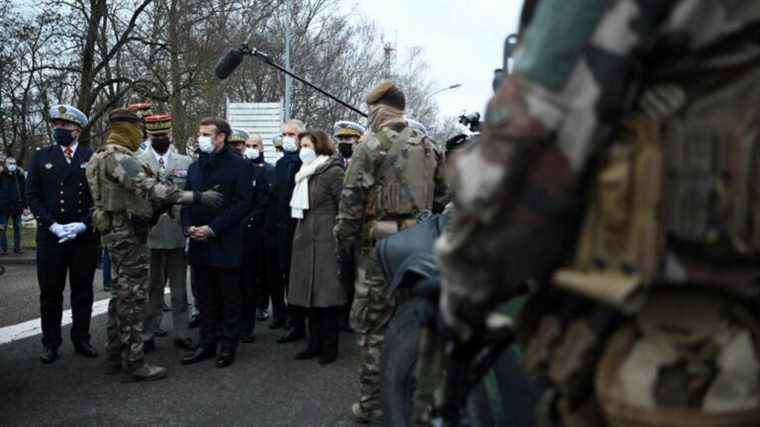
[
  {"x": 251, "y": 153},
  {"x": 11, "y": 168},
  {"x": 289, "y": 144},
  {"x": 205, "y": 144},
  {"x": 307, "y": 155}
]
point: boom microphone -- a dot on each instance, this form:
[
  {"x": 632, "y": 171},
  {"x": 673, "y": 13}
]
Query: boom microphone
[{"x": 229, "y": 63}]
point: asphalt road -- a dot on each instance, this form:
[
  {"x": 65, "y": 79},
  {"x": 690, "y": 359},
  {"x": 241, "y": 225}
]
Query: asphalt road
[{"x": 265, "y": 387}]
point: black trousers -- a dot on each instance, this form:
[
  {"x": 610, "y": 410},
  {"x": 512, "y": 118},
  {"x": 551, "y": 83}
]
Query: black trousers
[
  {"x": 323, "y": 329},
  {"x": 219, "y": 302},
  {"x": 252, "y": 279},
  {"x": 78, "y": 260}
]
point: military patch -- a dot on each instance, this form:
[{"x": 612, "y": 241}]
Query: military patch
[
  {"x": 62, "y": 109},
  {"x": 48, "y": 166}
]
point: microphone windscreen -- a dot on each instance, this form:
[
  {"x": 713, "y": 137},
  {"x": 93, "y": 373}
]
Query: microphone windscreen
[{"x": 228, "y": 64}]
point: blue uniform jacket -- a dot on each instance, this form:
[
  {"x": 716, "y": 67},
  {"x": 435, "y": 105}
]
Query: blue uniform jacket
[
  {"x": 57, "y": 191},
  {"x": 230, "y": 175}
]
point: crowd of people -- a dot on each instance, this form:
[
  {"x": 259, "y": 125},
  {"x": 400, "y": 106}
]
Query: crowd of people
[{"x": 248, "y": 233}]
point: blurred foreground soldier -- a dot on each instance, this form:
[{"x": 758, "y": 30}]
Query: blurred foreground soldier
[
  {"x": 124, "y": 192},
  {"x": 237, "y": 140},
  {"x": 254, "y": 264},
  {"x": 395, "y": 174},
  {"x": 646, "y": 115},
  {"x": 60, "y": 200},
  {"x": 347, "y": 135},
  {"x": 215, "y": 241},
  {"x": 166, "y": 240}
]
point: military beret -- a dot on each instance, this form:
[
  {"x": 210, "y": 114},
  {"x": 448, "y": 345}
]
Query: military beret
[
  {"x": 414, "y": 124},
  {"x": 156, "y": 124},
  {"x": 345, "y": 127},
  {"x": 123, "y": 115},
  {"x": 277, "y": 141},
  {"x": 238, "y": 135},
  {"x": 387, "y": 93},
  {"x": 141, "y": 109},
  {"x": 69, "y": 114}
]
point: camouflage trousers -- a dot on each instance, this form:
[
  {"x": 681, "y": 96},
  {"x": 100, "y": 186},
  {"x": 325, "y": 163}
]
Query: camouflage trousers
[
  {"x": 129, "y": 287},
  {"x": 370, "y": 314}
]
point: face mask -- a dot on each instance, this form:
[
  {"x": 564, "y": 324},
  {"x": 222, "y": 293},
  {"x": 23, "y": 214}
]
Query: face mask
[
  {"x": 346, "y": 149},
  {"x": 289, "y": 144},
  {"x": 160, "y": 144},
  {"x": 251, "y": 153},
  {"x": 11, "y": 168},
  {"x": 63, "y": 137},
  {"x": 205, "y": 144},
  {"x": 307, "y": 155}
]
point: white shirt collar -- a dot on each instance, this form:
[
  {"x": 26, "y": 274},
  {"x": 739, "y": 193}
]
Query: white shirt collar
[{"x": 165, "y": 156}]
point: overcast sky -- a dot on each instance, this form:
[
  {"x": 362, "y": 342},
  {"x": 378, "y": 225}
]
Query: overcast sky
[{"x": 462, "y": 41}]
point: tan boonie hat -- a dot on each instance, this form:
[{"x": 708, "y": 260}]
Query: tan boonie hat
[{"x": 387, "y": 93}]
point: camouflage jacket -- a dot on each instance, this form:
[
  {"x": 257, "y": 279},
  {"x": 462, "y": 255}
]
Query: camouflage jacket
[
  {"x": 121, "y": 183},
  {"x": 364, "y": 179},
  {"x": 580, "y": 67}
]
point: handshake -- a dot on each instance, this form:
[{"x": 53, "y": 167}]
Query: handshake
[{"x": 67, "y": 232}]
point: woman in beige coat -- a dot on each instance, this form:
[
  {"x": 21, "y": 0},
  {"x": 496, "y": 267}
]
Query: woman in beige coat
[{"x": 314, "y": 281}]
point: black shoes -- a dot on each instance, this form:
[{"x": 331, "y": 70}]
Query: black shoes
[
  {"x": 261, "y": 315},
  {"x": 326, "y": 359},
  {"x": 85, "y": 349},
  {"x": 200, "y": 354},
  {"x": 248, "y": 338},
  {"x": 49, "y": 356},
  {"x": 307, "y": 354},
  {"x": 161, "y": 332},
  {"x": 291, "y": 336},
  {"x": 149, "y": 346},
  {"x": 184, "y": 344},
  {"x": 225, "y": 359}
]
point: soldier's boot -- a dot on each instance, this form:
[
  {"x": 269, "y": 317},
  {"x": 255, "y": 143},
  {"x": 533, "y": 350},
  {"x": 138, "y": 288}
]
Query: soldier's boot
[
  {"x": 366, "y": 417},
  {"x": 112, "y": 365},
  {"x": 142, "y": 372}
]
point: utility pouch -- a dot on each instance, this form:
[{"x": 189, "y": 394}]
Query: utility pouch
[
  {"x": 101, "y": 220},
  {"x": 622, "y": 240}
]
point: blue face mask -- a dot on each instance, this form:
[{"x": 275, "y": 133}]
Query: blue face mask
[{"x": 63, "y": 137}]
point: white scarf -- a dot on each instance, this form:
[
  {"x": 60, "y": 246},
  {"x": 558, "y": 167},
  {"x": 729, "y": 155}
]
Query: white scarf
[{"x": 300, "y": 200}]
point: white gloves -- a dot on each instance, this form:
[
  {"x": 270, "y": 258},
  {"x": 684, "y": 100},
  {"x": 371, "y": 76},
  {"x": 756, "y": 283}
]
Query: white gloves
[
  {"x": 58, "y": 230},
  {"x": 70, "y": 231}
]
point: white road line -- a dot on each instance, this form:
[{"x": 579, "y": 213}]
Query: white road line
[{"x": 33, "y": 327}]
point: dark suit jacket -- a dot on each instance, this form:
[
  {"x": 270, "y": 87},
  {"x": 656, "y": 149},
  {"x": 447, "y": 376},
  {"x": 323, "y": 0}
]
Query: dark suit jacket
[
  {"x": 58, "y": 192},
  {"x": 231, "y": 175},
  {"x": 262, "y": 174}
]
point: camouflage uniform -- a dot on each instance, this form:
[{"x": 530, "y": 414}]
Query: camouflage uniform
[
  {"x": 125, "y": 191},
  {"x": 395, "y": 174},
  {"x": 580, "y": 73}
]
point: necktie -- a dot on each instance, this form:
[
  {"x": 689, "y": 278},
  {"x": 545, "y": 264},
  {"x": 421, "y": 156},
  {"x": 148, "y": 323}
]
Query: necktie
[
  {"x": 67, "y": 153},
  {"x": 161, "y": 165}
]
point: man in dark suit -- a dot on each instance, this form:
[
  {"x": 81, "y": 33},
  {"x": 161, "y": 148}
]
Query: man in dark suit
[
  {"x": 59, "y": 198},
  {"x": 215, "y": 240},
  {"x": 253, "y": 275}
]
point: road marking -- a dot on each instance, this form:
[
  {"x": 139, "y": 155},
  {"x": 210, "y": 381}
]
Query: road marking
[{"x": 33, "y": 327}]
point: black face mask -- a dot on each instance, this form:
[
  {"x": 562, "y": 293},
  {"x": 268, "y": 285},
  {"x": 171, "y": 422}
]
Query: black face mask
[
  {"x": 63, "y": 137},
  {"x": 346, "y": 150},
  {"x": 160, "y": 144}
]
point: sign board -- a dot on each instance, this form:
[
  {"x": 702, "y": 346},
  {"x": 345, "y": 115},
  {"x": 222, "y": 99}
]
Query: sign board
[{"x": 263, "y": 118}]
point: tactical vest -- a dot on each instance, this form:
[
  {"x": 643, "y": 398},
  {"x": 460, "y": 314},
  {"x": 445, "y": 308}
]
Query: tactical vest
[
  {"x": 405, "y": 175},
  {"x": 109, "y": 196}
]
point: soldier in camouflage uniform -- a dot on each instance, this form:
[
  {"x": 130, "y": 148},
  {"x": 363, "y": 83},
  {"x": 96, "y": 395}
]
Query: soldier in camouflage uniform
[
  {"x": 125, "y": 193},
  {"x": 395, "y": 174},
  {"x": 682, "y": 78}
]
